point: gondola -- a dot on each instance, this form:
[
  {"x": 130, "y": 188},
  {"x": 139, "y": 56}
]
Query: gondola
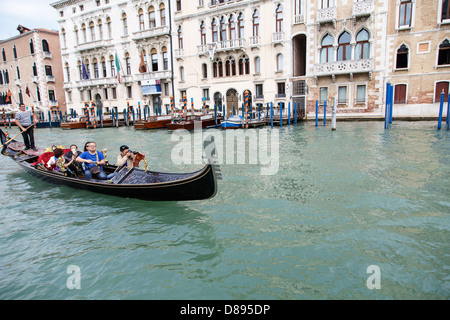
[{"x": 135, "y": 183}]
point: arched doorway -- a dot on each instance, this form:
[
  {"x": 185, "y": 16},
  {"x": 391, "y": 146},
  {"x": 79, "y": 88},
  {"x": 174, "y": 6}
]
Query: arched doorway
[
  {"x": 299, "y": 55},
  {"x": 156, "y": 104},
  {"x": 232, "y": 100},
  {"x": 98, "y": 102},
  {"x": 218, "y": 101}
]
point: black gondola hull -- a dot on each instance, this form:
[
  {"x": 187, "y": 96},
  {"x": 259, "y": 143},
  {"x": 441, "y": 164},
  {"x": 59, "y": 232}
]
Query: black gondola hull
[{"x": 139, "y": 184}]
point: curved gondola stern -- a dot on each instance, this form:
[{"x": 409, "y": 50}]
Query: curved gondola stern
[
  {"x": 210, "y": 154},
  {"x": 4, "y": 139}
]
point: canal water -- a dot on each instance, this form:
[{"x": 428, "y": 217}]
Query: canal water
[{"x": 356, "y": 213}]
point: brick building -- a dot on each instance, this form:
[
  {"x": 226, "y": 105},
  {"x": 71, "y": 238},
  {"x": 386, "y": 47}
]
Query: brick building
[{"x": 31, "y": 69}]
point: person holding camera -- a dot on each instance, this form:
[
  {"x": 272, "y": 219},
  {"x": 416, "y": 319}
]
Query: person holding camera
[{"x": 126, "y": 157}]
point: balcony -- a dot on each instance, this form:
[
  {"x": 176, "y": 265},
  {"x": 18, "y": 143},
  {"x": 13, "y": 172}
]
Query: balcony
[
  {"x": 179, "y": 53},
  {"x": 150, "y": 33},
  {"x": 50, "y": 78},
  {"x": 35, "y": 79},
  {"x": 95, "y": 82},
  {"x": 327, "y": 15},
  {"x": 47, "y": 55},
  {"x": 343, "y": 67},
  {"x": 362, "y": 8},
  {"x": 298, "y": 19},
  {"x": 255, "y": 41},
  {"x": 233, "y": 44},
  {"x": 164, "y": 74},
  {"x": 17, "y": 82},
  {"x": 93, "y": 45},
  {"x": 277, "y": 37}
]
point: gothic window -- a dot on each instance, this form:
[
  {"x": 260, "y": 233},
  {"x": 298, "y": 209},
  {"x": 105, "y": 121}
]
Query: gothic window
[{"x": 327, "y": 51}]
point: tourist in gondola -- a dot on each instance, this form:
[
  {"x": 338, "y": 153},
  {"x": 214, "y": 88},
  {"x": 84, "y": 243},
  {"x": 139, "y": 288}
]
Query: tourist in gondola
[
  {"x": 93, "y": 161},
  {"x": 24, "y": 119},
  {"x": 71, "y": 163}
]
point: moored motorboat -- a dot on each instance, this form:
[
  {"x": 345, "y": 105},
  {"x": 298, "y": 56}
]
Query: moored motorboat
[
  {"x": 194, "y": 122},
  {"x": 134, "y": 183},
  {"x": 153, "y": 122},
  {"x": 233, "y": 122}
]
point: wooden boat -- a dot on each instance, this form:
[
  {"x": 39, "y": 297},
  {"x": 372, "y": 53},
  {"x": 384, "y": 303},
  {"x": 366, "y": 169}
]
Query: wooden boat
[
  {"x": 74, "y": 123},
  {"x": 134, "y": 183},
  {"x": 203, "y": 121},
  {"x": 80, "y": 123},
  {"x": 153, "y": 122}
]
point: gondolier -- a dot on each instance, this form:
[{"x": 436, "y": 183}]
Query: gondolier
[{"x": 24, "y": 119}]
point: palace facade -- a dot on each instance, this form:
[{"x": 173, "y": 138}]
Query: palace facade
[
  {"x": 295, "y": 52},
  {"x": 31, "y": 70}
]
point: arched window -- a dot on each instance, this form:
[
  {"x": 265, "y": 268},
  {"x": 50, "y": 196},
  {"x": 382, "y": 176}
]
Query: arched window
[
  {"x": 14, "y": 52},
  {"x": 230, "y": 67},
  {"x": 223, "y": 29},
  {"x": 128, "y": 63},
  {"x": 151, "y": 17},
  {"x": 327, "y": 51},
  {"x": 215, "y": 35},
  {"x": 45, "y": 47},
  {"x": 141, "y": 19},
  {"x": 279, "y": 19},
  {"x": 402, "y": 57},
  {"x": 162, "y": 14},
  {"x": 165, "y": 58},
  {"x": 244, "y": 65},
  {"x": 96, "y": 73},
  {"x": 83, "y": 32},
  {"x": 125, "y": 24},
  {"x": 444, "y": 53},
  {"x": 241, "y": 33},
  {"x": 202, "y": 33},
  {"x": 279, "y": 62},
  {"x": 257, "y": 65},
  {"x": 362, "y": 45},
  {"x": 108, "y": 24},
  {"x": 232, "y": 24},
  {"x": 344, "y": 48},
  {"x": 100, "y": 29},
  {"x": 92, "y": 30},
  {"x": 204, "y": 71},
  {"x": 32, "y": 44},
  {"x": 217, "y": 68},
  {"x": 181, "y": 73},
  {"x": 154, "y": 57},
  {"x": 255, "y": 19},
  {"x": 180, "y": 37},
  {"x": 4, "y": 54}
]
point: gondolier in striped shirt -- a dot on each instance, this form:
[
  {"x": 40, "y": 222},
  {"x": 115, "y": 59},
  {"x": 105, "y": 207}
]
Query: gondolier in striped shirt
[{"x": 24, "y": 119}]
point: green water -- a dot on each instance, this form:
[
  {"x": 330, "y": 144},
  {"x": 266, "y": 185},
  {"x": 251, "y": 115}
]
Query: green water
[{"x": 340, "y": 202}]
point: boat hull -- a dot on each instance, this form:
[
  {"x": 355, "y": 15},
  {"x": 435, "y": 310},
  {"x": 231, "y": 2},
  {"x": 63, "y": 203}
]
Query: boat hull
[{"x": 135, "y": 183}]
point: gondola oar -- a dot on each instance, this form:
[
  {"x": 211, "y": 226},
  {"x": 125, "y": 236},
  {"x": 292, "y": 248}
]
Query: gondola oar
[{"x": 16, "y": 136}]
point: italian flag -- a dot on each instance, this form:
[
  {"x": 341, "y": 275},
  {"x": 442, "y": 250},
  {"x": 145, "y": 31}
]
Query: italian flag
[{"x": 117, "y": 67}]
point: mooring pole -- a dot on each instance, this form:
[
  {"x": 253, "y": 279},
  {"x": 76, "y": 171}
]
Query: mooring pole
[
  {"x": 325, "y": 112},
  {"x": 271, "y": 115},
  {"x": 386, "y": 110},
  {"x": 441, "y": 107},
  {"x": 281, "y": 114},
  {"x": 448, "y": 111},
  {"x": 391, "y": 104},
  {"x": 333, "y": 115},
  {"x": 295, "y": 111},
  {"x": 317, "y": 113},
  {"x": 289, "y": 113}
]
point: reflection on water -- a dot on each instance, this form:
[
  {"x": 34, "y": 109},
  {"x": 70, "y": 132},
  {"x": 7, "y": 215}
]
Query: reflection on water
[{"x": 341, "y": 201}]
